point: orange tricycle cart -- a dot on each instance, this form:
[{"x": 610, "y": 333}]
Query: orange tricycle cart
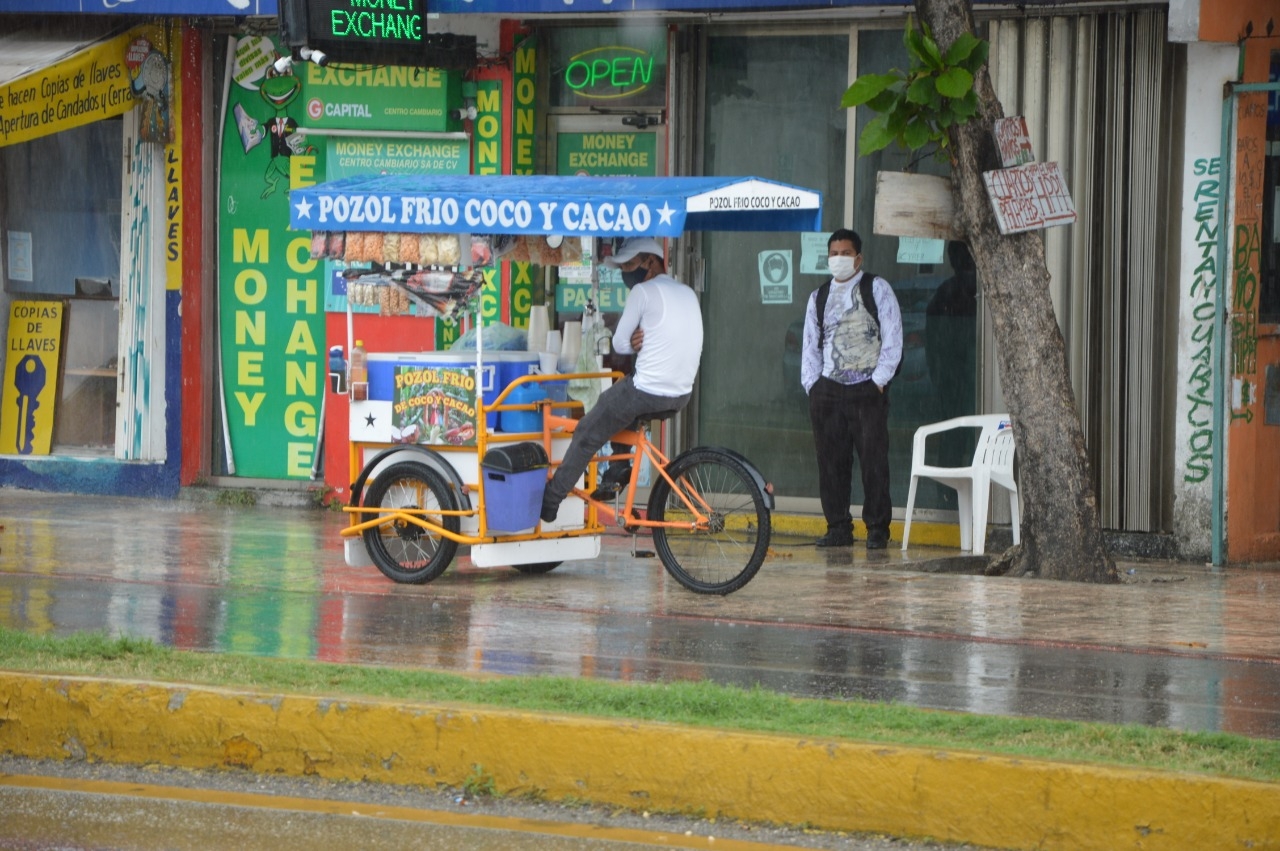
[{"x": 452, "y": 449}]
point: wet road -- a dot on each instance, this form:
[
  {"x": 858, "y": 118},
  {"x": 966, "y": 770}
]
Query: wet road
[
  {"x": 91, "y": 819},
  {"x": 1176, "y": 646},
  {"x": 48, "y": 813},
  {"x": 72, "y": 805}
]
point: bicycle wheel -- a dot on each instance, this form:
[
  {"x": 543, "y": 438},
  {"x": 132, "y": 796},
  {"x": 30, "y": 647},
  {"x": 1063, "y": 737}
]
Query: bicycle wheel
[
  {"x": 722, "y": 555},
  {"x": 404, "y": 551},
  {"x": 538, "y": 567}
]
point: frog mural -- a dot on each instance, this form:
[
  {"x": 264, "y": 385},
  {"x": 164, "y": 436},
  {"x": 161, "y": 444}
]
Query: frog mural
[{"x": 279, "y": 90}]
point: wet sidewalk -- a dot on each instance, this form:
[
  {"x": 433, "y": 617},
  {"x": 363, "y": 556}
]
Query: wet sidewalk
[{"x": 1174, "y": 645}]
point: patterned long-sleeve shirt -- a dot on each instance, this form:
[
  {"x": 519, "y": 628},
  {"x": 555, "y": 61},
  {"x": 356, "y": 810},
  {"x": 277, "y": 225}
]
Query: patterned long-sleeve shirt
[{"x": 839, "y": 358}]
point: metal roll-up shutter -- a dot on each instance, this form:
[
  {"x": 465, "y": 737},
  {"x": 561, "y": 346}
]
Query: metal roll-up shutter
[{"x": 1095, "y": 92}]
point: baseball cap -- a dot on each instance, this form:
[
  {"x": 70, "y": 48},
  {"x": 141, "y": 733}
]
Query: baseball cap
[{"x": 631, "y": 247}]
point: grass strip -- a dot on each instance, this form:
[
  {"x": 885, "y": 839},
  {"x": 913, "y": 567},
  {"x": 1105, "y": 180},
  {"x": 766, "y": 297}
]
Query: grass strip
[{"x": 696, "y": 704}]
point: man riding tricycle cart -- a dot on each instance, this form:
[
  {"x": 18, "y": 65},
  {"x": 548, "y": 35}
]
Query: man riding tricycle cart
[{"x": 451, "y": 449}]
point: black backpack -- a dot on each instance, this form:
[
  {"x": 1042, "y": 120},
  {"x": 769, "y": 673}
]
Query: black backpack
[{"x": 868, "y": 301}]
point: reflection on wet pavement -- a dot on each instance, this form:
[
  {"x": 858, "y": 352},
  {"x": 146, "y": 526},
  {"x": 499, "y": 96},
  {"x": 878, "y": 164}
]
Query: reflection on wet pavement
[{"x": 1176, "y": 646}]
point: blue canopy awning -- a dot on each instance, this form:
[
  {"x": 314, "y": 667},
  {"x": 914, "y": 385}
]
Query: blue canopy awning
[{"x": 547, "y": 204}]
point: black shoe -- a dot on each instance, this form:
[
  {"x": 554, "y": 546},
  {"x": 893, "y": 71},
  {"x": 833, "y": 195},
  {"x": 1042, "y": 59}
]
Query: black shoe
[
  {"x": 877, "y": 540},
  {"x": 549, "y": 512},
  {"x": 614, "y": 479},
  {"x": 618, "y": 473},
  {"x": 836, "y": 538}
]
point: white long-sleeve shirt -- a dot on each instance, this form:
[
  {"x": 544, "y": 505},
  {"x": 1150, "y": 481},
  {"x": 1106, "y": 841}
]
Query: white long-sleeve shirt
[{"x": 671, "y": 318}]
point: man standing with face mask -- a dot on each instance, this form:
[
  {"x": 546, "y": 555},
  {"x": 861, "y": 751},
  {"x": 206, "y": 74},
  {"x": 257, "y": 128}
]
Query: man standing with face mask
[
  {"x": 662, "y": 325},
  {"x": 850, "y": 354}
]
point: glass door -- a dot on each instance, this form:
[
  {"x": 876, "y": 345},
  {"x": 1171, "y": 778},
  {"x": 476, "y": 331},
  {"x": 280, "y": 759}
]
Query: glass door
[{"x": 772, "y": 111}]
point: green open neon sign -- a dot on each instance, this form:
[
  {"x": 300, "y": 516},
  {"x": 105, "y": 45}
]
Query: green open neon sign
[{"x": 609, "y": 72}]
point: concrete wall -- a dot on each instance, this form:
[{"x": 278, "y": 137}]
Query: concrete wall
[{"x": 1208, "y": 66}]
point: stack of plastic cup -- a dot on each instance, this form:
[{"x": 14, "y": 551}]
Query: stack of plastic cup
[
  {"x": 539, "y": 320},
  {"x": 570, "y": 346}
]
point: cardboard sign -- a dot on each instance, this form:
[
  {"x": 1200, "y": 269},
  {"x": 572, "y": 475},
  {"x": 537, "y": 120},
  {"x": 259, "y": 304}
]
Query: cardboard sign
[
  {"x": 1014, "y": 141},
  {"x": 915, "y": 205},
  {"x": 1029, "y": 197}
]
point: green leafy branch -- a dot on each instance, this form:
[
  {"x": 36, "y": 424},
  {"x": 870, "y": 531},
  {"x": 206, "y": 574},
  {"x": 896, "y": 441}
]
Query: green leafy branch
[{"x": 916, "y": 107}]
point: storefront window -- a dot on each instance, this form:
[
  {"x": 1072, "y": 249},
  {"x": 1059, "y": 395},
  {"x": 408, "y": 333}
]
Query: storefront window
[
  {"x": 773, "y": 111},
  {"x": 60, "y": 215},
  {"x": 938, "y": 376}
]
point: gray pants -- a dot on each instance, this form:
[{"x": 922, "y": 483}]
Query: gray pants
[{"x": 617, "y": 409}]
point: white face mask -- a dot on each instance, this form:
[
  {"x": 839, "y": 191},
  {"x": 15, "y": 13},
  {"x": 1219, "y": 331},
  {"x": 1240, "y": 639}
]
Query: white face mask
[{"x": 841, "y": 266}]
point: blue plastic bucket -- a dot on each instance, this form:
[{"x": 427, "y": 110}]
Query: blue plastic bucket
[{"x": 522, "y": 421}]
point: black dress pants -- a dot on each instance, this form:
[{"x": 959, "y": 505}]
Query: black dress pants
[{"x": 849, "y": 419}]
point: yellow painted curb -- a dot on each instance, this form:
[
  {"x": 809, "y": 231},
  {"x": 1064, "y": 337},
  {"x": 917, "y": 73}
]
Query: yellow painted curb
[
  {"x": 833, "y": 784},
  {"x": 923, "y": 534}
]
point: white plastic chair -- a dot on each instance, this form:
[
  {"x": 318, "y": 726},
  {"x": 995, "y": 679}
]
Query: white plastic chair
[{"x": 992, "y": 464}]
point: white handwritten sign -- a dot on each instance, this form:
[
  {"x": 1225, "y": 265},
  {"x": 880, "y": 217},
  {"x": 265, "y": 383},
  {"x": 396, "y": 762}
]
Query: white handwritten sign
[
  {"x": 1029, "y": 197},
  {"x": 1014, "y": 141}
]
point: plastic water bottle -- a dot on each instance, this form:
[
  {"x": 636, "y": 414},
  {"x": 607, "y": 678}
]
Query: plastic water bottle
[
  {"x": 359, "y": 376},
  {"x": 337, "y": 369}
]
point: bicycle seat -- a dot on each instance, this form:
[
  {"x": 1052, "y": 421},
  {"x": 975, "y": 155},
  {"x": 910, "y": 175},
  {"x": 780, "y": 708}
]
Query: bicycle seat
[{"x": 657, "y": 415}]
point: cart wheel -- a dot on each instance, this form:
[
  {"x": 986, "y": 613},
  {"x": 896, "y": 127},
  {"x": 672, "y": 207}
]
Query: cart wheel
[
  {"x": 538, "y": 567},
  {"x": 405, "y": 551},
  {"x": 721, "y": 556}
]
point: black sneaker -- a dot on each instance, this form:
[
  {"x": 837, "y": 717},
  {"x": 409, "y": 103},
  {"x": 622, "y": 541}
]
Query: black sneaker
[
  {"x": 614, "y": 479},
  {"x": 549, "y": 512},
  {"x": 835, "y": 538},
  {"x": 877, "y": 540}
]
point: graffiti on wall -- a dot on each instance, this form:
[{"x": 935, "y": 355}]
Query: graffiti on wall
[
  {"x": 1204, "y": 283},
  {"x": 1246, "y": 260}
]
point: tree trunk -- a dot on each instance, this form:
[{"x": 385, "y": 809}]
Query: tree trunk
[{"x": 1061, "y": 533}]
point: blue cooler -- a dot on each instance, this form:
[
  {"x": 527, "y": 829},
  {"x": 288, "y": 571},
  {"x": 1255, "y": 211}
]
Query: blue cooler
[
  {"x": 514, "y": 478},
  {"x": 533, "y": 391},
  {"x": 513, "y": 365},
  {"x": 382, "y": 374}
]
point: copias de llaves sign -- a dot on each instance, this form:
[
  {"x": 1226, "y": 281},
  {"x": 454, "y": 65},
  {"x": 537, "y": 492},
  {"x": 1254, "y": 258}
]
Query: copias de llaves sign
[{"x": 548, "y": 204}]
